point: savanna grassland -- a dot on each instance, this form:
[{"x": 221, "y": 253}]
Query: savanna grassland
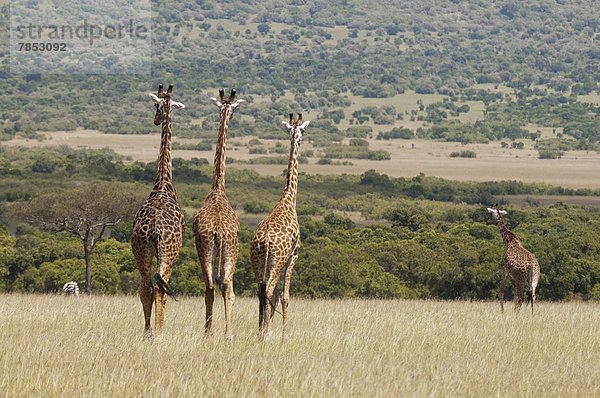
[
  {"x": 93, "y": 346},
  {"x": 422, "y": 114}
]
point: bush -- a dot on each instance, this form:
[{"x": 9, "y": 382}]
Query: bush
[
  {"x": 596, "y": 292},
  {"x": 463, "y": 154},
  {"x": 358, "y": 142},
  {"x": 379, "y": 155},
  {"x": 255, "y": 207},
  {"x": 396, "y": 132},
  {"x": 550, "y": 154},
  {"x": 269, "y": 160},
  {"x": 359, "y": 131},
  {"x": 258, "y": 151},
  {"x": 254, "y": 142}
]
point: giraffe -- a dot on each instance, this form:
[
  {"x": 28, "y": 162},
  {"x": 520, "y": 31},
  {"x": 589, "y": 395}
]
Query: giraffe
[
  {"x": 158, "y": 225},
  {"x": 216, "y": 226},
  {"x": 518, "y": 263},
  {"x": 276, "y": 242}
]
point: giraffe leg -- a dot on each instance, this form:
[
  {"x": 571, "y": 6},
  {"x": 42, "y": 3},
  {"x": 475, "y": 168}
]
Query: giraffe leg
[
  {"x": 260, "y": 263},
  {"x": 143, "y": 260},
  {"x": 285, "y": 299},
  {"x": 209, "y": 295},
  {"x": 519, "y": 297},
  {"x": 147, "y": 299},
  {"x": 228, "y": 297},
  {"x": 209, "y": 299},
  {"x": 275, "y": 301},
  {"x": 268, "y": 307},
  {"x": 533, "y": 281},
  {"x": 502, "y": 289},
  {"x": 270, "y": 296},
  {"x": 262, "y": 303},
  {"x": 205, "y": 254},
  {"x": 160, "y": 297}
]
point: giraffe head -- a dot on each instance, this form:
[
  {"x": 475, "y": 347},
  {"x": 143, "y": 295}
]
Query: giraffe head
[
  {"x": 496, "y": 213},
  {"x": 226, "y": 105},
  {"x": 163, "y": 104},
  {"x": 296, "y": 127}
]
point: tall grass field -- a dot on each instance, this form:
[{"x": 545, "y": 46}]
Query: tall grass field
[{"x": 55, "y": 346}]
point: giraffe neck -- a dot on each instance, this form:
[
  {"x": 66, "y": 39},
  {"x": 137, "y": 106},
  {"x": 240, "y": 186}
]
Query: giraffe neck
[
  {"x": 164, "y": 173},
  {"x": 507, "y": 236},
  {"x": 291, "y": 186},
  {"x": 219, "y": 163}
]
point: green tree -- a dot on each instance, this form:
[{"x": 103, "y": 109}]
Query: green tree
[
  {"x": 8, "y": 255},
  {"x": 85, "y": 212},
  {"x": 263, "y": 28}
]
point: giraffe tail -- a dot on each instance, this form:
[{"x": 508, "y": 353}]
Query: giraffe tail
[
  {"x": 163, "y": 286},
  {"x": 262, "y": 283},
  {"x": 266, "y": 263}
]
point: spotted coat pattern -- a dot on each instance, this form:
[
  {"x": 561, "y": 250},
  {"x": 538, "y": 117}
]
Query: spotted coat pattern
[
  {"x": 518, "y": 263},
  {"x": 216, "y": 227},
  {"x": 276, "y": 242},
  {"x": 158, "y": 227}
]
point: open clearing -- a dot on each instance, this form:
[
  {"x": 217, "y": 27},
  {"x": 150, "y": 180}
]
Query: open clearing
[
  {"x": 93, "y": 346},
  {"x": 576, "y": 169}
]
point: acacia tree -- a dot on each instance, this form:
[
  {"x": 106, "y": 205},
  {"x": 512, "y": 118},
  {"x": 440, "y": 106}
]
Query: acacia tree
[{"x": 86, "y": 212}]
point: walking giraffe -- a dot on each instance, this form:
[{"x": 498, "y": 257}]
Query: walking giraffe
[
  {"x": 276, "y": 242},
  {"x": 518, "y": 263},
  {"x": 216, "y": 226},
  {"x": 159, "y": 223}
]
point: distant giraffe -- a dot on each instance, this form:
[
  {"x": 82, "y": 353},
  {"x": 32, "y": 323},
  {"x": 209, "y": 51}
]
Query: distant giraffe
[
  {"x": 159, "y": 223},
  {"x": 518, "y": 263},
  {"x": 216, "y": 226},
  {"x": 276, "y": 242}
]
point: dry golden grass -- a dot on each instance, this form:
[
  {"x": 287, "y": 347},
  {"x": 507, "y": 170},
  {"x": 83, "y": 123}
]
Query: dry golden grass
[
  {"x": 84, "y": 346},
  {"x": 576, "y": 169},
  {"x": 592, "y": 98}
]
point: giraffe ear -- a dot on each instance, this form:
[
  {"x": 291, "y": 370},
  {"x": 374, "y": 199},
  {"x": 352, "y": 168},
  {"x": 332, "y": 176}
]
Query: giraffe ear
[
  {"x": 177, "y": 104},
  {"x": 216, "y": 101},
  {"x": 490, "y": 210},
  {"x": 304, "y": 125},
  {"x": 155, "y": 98},
  {"x": 286, "y": 124},
  {"x": 503, "y": 212},
  {"x": 237, "y": 103}
]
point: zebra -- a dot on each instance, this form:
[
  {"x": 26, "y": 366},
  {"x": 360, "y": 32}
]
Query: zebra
[{"x": 71, "y": 288}]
